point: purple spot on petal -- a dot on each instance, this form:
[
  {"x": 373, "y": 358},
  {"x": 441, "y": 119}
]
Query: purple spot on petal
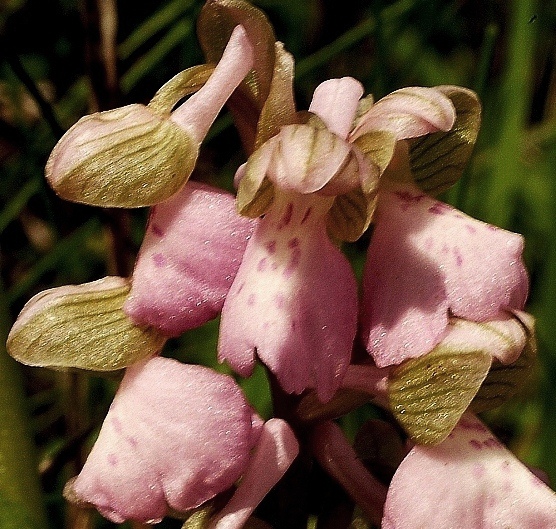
[
  {"x": 491, "y": 442},
  {"x": 293, "y": 325},
  {"x": 261, "y": 266},
  {"x": 293, "y": 263},
  {"x": 438, "y": 208},
  {"x": 477, "y": 445},
  {"x": 274, "y": 266},
  {"x": 293, "y": 243},
  {"x": 408, "y": 199},
  {"x": 117, "y": 425},
  {"x": 112, "y": 460},
  {"x": 159, "y": 260},
  {"x": 470, "y": 228},
  {"x": 240, "y": 288},
  {"x": 406, "y": 196},
  {"x": 468, "y": 424},
  {"x": 445, "y": 249},
  {"x": 157, "y": 230},
  {"x": 459, "y": 258},
  {"x": 132, "y": 441},
  {"x": 286, "y": 217},
  {"x": 251, "y": 300},
  {"x": 271, "y": 247},
  {"x": 306, "y": 216}
]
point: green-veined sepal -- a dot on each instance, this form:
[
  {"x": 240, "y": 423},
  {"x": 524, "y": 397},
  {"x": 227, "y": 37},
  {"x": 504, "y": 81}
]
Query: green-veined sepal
[
  {"x": 83, "y": 327},
  {"x": 126, "y": 157},
  {"x": 438, "y": 160},
  {"x": 505, "y": 380}
]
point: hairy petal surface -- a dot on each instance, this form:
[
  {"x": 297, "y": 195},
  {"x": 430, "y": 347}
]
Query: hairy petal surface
[
  {"x": 293, "y": 302},
  {"x": 175, "y": 436},
  {"x": 188, "y": 260},
  {"x": 427, "y": 260},
  {"x": 479, "y": 482}
]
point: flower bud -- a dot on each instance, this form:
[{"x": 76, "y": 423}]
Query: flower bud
[{"x": 125, "y": 157}]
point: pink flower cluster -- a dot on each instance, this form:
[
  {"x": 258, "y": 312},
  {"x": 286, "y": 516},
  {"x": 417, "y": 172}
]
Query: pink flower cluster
[{"x": 177, "y": 435}]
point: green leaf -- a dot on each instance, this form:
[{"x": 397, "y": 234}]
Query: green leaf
[
  {"x": 81, "y": 326},
  {"x": 506, "y": 380},
  {"x": 429, "y": 394},
  {"x": 126, "y": 157},
  {"x": 438, "y": 160},
  {"x": 215, "y": 24}
]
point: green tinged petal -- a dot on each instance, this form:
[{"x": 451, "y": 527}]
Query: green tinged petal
[
  {"x": 504, "y": 381},
  {"x": 255, "y": 191},
  {"x": 127, "y": 157},
  {"x": 352, "y": 212},
  {"x": 181, "y": 85},
  {"x": 438, "y": 160},
  {"x": 81, "y": 326},
  {"x": 279, "y": 108},
  {"x": 350, "y": 215}
]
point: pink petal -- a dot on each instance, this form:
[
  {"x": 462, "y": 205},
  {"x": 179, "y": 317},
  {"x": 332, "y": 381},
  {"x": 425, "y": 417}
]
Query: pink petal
[
  {"x": 425, "y": 260},
  {"x": 293, "y": 302},
  {"x": 275, "y": 451},
  {"x": 175, "y": 436},
  {"x": 408, "y": 113},
  {"x": 197, "y": 114},
  {"x": 469, "y": 480},
  {"x": 188, "y": 260},
  {"x": 335, "y": 102}
]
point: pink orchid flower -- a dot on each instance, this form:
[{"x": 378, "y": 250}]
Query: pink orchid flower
[
  {"x": 469, "y": 480},
  {"x": 294, "y": 300},
  {"x": 427, "y": 262},
  {"x": 175, "y": 436}
]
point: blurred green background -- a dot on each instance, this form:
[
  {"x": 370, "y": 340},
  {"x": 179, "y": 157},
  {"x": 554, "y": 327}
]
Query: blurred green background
[{"x": 61, "y": 59}]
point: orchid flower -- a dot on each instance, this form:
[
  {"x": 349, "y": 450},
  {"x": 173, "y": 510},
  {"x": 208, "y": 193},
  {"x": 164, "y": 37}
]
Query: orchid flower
[
  {"x": 469, "y": 480},
  {"x": 278, "y": 307},
  {"x": 189, "y": 257},
  {"x": 293, "y": 302},
  {"x": 427, "y": 261},
  {"x": 175, "y": 436}
]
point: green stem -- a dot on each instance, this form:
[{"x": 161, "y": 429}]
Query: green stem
[{"x": 21, "y": 502}]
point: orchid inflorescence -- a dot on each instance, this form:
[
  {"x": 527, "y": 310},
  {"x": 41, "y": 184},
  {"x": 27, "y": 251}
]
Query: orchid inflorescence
[{"x": 437, "y": 333}]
